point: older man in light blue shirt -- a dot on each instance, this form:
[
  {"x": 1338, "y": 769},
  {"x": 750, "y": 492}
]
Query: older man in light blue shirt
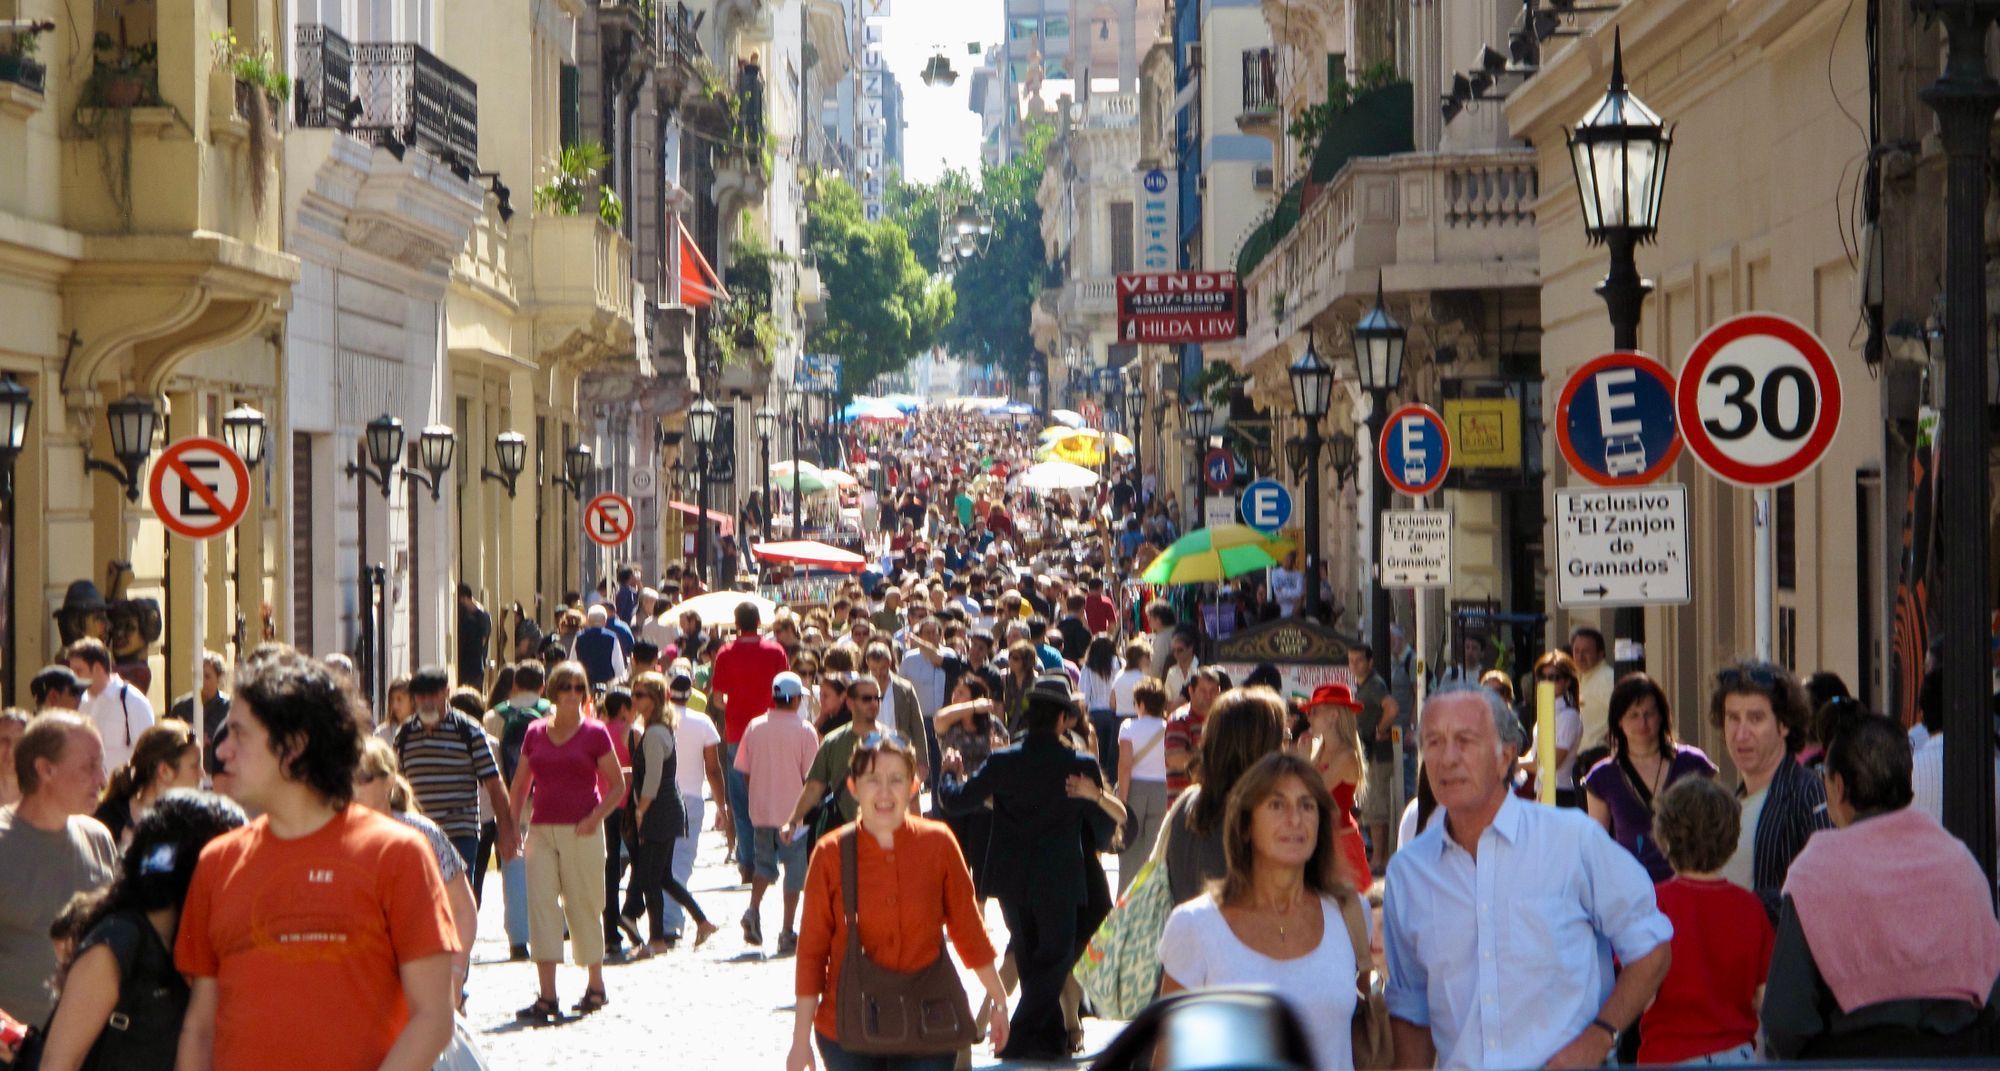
[{"x": 1502, "y": 917}]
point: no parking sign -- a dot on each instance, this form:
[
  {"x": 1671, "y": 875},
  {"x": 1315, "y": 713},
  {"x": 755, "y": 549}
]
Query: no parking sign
[
  {"x": 609, "y": 519},
  {"x": 199, "y": 488}
]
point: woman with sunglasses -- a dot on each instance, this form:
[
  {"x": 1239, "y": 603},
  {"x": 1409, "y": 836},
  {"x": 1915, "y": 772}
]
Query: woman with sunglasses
[
  {"x": 1623, "y": 791},
  {"x": 900, "y": 859},
  {"x": 564, "y": 759},
  {"x": 1555, "y": 667},
  {"x": 660, "y": 818}
]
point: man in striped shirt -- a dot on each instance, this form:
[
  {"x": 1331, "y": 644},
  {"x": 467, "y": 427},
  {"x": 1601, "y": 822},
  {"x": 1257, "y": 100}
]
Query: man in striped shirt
[{"x": 448, "y": 761}]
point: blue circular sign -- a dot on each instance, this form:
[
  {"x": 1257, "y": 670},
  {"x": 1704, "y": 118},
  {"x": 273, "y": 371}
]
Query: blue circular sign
[
  {"x": 1615, "y": 420},
  {"x": 1218, "y": 469},
  {"x": 1156, "y": 181},
  {"x": 1415, "y": 450},
  {"x": 1266, "y": 505}
]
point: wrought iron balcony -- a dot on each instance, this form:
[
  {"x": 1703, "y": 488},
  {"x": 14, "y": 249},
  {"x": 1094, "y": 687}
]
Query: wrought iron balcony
[
  {"x": 679, "y": 32},
  {"x": 393, "y": 94}
]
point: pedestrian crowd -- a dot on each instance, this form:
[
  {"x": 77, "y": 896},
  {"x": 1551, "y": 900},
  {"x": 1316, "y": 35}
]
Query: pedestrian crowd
[{"x": 990, "y": 711}]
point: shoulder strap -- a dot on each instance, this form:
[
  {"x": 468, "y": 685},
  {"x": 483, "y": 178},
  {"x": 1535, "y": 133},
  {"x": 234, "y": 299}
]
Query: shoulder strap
[
  {"x": 1140, "y": 756},
  {"x": 850, "y": 877},
  {"x": 1353, "y": 914}
]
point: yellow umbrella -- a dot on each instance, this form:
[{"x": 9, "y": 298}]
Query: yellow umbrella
[{"x": 1208, "y": 555}]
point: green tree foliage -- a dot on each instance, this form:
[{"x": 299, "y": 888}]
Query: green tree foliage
[{"x": 884, "y": 309}]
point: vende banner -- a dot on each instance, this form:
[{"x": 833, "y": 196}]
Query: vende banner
[{"x": 1182, "y": 306}]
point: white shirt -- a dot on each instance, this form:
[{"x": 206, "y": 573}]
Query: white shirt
[
  {"x": 1097, "y": 692},
  {"x": 1197, "y": 948},
  {"x": 1742, "y": 865},
  {"x": 659, "y": 632},
  {"x": 1139, "y": 732},
  {"x": 1288, "y": 588},
  {"x": 1177, "y": 678},
  {"x": 1593, "y": 701},
  {"x": 1508, "y": 960},
  {"x": 120, "y": 713},
  {"x": 693, "y": 735},
  {"x": 1919, "y": 736},
  {"x": 1927, "y": 779},
  {"x": 1121, "y": 691}
]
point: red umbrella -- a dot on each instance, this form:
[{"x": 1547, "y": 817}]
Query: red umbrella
[{"x": 812, "y": 554}]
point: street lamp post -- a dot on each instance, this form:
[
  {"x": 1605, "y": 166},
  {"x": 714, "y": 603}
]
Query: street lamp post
[
  {"x": 1619, "y": 153},
  {"x": 767, "y": 422},
  {"x": 1379, "y": 341},
  {"x": 1200, "y": 422},
  {"x": 1312, "y": 392},
  {"x": 798, "y": 503},
  {"x": 1964, "y": 97},
  {"x": 701, "y": 421}
]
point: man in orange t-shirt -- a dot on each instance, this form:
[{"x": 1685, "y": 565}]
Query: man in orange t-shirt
[{"x": 321, "y": 928}]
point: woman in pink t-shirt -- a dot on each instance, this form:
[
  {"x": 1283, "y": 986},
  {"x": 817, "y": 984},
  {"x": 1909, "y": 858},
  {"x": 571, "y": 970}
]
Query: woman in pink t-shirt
[{"x": 563, "y": 760}]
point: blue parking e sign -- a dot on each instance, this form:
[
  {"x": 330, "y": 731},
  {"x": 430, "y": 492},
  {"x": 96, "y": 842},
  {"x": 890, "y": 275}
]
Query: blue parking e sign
[
  {"x": 1615, "y": 420},
  {"x": 1266, "y": 505},
  {"x": 1415, "y": 450}
]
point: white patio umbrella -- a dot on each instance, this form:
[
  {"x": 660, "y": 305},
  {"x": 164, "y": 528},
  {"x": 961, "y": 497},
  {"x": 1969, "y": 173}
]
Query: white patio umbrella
[{"x": 1057, "y": 476}]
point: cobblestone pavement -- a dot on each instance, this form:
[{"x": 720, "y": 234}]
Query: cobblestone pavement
[{"x": 725, "y": 1005}]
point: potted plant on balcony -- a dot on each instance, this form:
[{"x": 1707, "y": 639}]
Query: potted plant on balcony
[
  {"x": 17, "y": 62},
  {"x": 125, "y": 75},
  {"x": 261, "y": 90},
  {"x": 741, "y": 328},
  {"x": 575, "y": 175}
]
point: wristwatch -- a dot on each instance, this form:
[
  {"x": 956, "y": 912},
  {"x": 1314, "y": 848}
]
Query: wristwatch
[{"x": 1616, "y": 1034}]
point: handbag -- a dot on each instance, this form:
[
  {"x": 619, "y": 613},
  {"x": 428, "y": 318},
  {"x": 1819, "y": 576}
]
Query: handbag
[
  {"x": 1373, "y": 1048},
  {"x": 881, "y": 1012},
  {"x": 462, "y": 1052},
  {"x": 1120, "y": 968}
]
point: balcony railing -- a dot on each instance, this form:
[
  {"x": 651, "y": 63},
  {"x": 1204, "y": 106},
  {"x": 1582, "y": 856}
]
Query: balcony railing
[
  {"x": 678, "y": 33},
  {"x": 391, "y": 93},
  {"x": 1260, "y": 81}
]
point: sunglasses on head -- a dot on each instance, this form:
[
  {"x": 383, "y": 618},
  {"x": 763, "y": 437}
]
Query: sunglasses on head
[
  {"x": 1735, "y": 677},
  {"x": 884, "y": 736}
]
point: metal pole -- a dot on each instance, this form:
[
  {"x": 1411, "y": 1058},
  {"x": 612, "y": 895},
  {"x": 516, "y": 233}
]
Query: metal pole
[
  {"x": 366, "y": 648},
  {"x": 701, "y": 514},
  {"x": 1762, "y": 550},
  {"x": 766, "y": 439},
  {"x": 381, "y": 572},
  {"x": 1965, "y": 97},
  {"x": 798, "y": 503},
  {"x": 1379, "y": 611},
  {"x": 1311, "y": 556},
  {"x": 1624, "y": 292}
]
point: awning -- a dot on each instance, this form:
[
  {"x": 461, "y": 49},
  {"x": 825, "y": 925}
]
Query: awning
[
  {"x": 723, "y": 520},
  {"x": 811, "y": 553}
]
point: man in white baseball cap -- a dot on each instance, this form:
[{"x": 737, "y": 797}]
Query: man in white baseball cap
[{"x": 776, "y": 753}]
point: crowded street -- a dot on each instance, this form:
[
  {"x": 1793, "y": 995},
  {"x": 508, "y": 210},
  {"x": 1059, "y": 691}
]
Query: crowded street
[{"x": 959, "y": 535}]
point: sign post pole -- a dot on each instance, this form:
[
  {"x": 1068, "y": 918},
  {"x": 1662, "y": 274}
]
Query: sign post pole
[
  {"x": 200, "y": 645},
  {"x": 1761, "y": 575}
]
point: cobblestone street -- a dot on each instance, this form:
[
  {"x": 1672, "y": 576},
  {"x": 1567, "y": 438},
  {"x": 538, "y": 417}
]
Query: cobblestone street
[{"x": 725, "y": 1005}]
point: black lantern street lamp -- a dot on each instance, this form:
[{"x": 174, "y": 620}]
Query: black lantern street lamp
[
  {"x": 701, "y": 421},
  {"x": 1964, "y": 97},
  {"x": 132, "y": 420},
  {"x": 1340, "y": 454},
  {"x": 15, "y": 405},
  {"x": 579, "y": 464},
  {"x": 1312, "y": 393},
  {"x": 1379, "y": 342},
  {"x": 383, "y": 439},
  {"x": 677, "y": 476},
  {"x": 245, "y": 431},
  {"x": 1200, "y": 422},
  {"x": 767, "y": 425},
  {"x": 437, "y": 444},
  {"x": 510, "y": 449},
  {"x": 1619, "y": 153}
]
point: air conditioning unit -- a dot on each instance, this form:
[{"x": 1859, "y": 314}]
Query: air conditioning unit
[
  {"x": 1201, "y": 184},
  {"x": 1194, "y": 51},
  {"x": 1263, "y": 178}
]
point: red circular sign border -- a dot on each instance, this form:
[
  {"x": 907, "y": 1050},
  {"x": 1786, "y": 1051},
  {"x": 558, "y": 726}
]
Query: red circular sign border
[
  {"x": 157, "y": 478},
  {"x": 1817, "y": 356},
  {"x": 1444, "y": 463},
  {"x": 1618, "y": 359},
  {"x": 1213, "y": 486},
  {"x": 591, "y": 507}
]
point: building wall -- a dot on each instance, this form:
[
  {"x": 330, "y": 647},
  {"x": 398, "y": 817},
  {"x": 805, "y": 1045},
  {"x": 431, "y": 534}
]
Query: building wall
[{"x": 1755, "y": 211}]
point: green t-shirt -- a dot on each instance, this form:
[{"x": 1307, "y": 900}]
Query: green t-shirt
[
  {"x": 829, "y": 767},
  {"x": 964, "y": 504}
]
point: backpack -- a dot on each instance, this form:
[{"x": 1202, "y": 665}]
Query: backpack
[{"x": 514, "y": 733}]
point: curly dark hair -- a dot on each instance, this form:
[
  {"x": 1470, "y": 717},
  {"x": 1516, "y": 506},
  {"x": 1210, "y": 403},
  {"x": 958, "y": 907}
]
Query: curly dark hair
[
  {"x": 1697, "y": 824},
  {"x": 1776, "y": 684},
  {"x": 308, "y": 715},
  {"x": 157, "y": 869}
]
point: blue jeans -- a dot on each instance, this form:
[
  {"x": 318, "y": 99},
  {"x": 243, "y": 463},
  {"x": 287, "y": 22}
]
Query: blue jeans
[
  {"x": 1742, "y": 1054},
  {"x": 468, "y": 850},
  {"x": 838, "y": 1059},
  {"x": 684, "y": 851},
  {"x": 739, "y": 808},
  {"x": 514, "y": 890}
]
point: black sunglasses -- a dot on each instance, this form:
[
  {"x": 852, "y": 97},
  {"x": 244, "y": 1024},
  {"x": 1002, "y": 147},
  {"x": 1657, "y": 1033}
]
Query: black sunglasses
[
  {"x": 859, "y": 698},
  {"x": 1734, "y": 677}
]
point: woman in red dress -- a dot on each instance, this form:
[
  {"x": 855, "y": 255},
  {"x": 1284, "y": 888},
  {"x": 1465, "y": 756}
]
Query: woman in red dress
[{"x": 1333, "y": 744}]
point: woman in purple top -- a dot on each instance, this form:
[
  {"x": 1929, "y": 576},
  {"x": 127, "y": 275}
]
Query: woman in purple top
[
  {"x": 1621, "y": 791},
  {"x": 564, "y": 760}
]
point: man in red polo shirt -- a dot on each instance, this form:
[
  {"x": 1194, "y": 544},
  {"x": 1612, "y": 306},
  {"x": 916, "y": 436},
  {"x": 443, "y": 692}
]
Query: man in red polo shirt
[
  {"x": 740, "y": 688},
  {"x": 1099, "y": 612}
]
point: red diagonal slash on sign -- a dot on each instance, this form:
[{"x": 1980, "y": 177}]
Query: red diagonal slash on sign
[
  {"x": 200, "y": 489},
  {"x": 608, "y": 519}
]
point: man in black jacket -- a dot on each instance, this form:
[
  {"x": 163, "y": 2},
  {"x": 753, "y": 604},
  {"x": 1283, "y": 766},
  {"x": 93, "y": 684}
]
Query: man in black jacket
[{"x": 1040, "y": 871}]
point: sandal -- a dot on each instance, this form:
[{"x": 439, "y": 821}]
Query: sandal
[
  {"x": 703, "y": 931},
  {"x": 544, "y": 1010},
  {"x": 593, "y": 999}
]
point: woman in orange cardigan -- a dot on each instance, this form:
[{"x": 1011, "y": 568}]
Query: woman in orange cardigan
[{"x": 913, "y": 888}]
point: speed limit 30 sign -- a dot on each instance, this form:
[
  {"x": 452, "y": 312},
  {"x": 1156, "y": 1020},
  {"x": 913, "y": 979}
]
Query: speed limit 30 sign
[{"x": 1758, "y": 400}]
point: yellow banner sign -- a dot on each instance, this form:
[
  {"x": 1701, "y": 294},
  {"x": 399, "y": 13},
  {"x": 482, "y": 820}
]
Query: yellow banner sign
[{"x": 1485, "y": 432}]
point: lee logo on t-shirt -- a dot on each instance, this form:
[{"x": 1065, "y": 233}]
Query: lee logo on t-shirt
[{"x": 319, "y": 877}]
